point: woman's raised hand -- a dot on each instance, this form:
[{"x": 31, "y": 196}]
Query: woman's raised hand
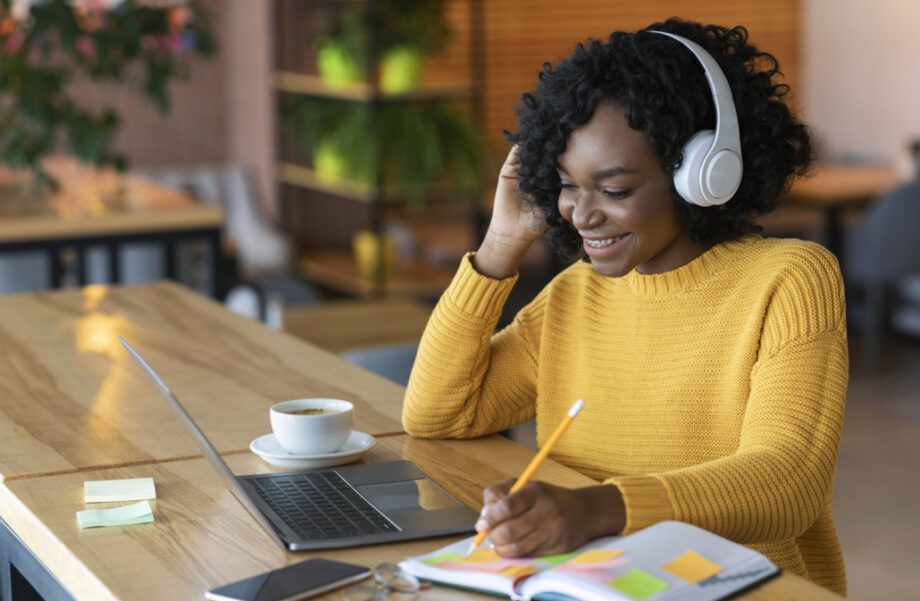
[{"x": 514, "y": 226}]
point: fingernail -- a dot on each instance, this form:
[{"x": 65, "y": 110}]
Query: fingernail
[{"x": 481, "y": 525}]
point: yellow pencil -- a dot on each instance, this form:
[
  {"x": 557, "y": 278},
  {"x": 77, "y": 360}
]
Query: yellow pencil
[{"x": 535, "y": 462}]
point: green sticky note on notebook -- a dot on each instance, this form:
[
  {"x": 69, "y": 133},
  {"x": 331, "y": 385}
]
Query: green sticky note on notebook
[
  {"x": 444, "y": 557},
  {"x": 136, "y": 513},
  {"x": 559, "y": 558},
  {"x": 131, "y": 489},
  {"x": 638, "y": 584}
]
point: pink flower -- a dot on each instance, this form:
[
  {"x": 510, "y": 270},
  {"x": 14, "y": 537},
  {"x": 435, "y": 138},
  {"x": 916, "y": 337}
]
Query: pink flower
[
  {"x": 15, "y": 42},
  {"x": 173, "y": 43},
  {"x": 86, "y": 46}
]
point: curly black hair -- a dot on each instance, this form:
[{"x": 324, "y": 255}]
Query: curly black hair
[{"x": 662, "y": 88}]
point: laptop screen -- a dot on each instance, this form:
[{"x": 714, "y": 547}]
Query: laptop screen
[{"x": 210, "y": 453}]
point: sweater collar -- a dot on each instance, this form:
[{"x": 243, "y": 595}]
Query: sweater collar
[{"x": 686, "y": 276}]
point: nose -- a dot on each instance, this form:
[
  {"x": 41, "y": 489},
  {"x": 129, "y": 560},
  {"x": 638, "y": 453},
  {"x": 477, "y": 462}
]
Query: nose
[{"x": 581, "y": 211}]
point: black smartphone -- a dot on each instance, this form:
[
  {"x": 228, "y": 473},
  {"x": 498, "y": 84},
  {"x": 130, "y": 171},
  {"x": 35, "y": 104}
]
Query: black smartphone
[{"x": 296, "y": 581}]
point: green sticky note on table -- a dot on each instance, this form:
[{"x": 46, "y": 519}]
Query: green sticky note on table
[
  {"x": 638, "y": 584},
  {"x": 131, "y": 489},
  {"x": 136, "y": 513}
]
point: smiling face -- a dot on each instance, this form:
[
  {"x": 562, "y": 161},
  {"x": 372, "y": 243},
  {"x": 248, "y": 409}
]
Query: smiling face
[{"x": 618, "y": 197}]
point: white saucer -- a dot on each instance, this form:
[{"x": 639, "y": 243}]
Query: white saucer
[{"x": 267, "y": 447}]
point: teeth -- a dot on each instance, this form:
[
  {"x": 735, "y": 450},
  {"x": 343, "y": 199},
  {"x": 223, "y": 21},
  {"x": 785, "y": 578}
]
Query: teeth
[{"x": 603, "y": 243}]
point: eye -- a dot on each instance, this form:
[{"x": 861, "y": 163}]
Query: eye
[
  {"x": 618, "y": 193},
  {"x": 568, "y": 186}
]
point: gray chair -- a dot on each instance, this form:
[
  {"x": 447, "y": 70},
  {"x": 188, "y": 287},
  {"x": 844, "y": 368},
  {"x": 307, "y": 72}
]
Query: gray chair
[
  {"x": 392, "y": 361},
  {"x": 25, "y": 271},
  {"x": 881, "y": 250},
  {"x": 264, "y": 283}
]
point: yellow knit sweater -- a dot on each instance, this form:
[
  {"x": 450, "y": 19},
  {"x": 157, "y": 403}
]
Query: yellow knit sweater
[{"x": 714, "y": 393}]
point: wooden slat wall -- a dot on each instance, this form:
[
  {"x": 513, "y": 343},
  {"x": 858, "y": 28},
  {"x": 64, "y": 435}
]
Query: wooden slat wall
[{"x": 520, "y": 35}]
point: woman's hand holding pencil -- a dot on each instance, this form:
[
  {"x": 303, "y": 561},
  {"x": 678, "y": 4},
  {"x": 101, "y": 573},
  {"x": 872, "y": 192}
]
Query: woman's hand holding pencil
[{"x": 534, "y": 518}]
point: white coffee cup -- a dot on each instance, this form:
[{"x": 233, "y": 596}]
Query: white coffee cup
[{"x": 319, "y": 433}]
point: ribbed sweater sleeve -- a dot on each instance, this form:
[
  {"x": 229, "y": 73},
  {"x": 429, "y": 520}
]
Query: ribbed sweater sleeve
[
  {"x": 465, "y": 382},
  {"x": 781, "y": 475}
]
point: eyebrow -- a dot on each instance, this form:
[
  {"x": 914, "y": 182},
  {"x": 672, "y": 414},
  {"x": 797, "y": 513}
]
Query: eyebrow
[{"x": 603, "y": 173}]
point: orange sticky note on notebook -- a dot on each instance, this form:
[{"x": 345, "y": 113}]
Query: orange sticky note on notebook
[
  {"x": 692, "y": 567},
  {"x": 596, "y": 556},
  {"x": 516, "y": 572},
  {"x": 484, "y": 555}
]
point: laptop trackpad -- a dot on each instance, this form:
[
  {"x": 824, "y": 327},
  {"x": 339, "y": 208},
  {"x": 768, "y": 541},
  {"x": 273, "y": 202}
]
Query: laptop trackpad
[{"x": 408, "y": 495}]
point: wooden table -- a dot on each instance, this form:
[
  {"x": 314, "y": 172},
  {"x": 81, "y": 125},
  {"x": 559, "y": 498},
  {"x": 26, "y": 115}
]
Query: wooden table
[
  {"x": 74, "y": 408},
  {"x": 203, "y": 537},
  {"x": 835, "y": 189},
  {"x": 103, "y": 208}
]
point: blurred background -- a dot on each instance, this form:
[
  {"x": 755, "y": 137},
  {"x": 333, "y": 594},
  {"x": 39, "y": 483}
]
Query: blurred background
[{"x": 322, "y": 166}]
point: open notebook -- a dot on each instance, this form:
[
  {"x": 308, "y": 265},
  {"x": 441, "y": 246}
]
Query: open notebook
[{"x": 664, "y": 562}]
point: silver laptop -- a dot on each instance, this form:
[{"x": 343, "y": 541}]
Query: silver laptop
[{"x": 334, "y": 507}]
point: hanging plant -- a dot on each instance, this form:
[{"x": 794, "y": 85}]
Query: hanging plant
[{"x": 46, "y": 44}]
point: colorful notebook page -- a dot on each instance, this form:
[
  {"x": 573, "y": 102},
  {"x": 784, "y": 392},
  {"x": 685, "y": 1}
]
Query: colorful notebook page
[
  {"x": 560, "y": 558},
  {"x": 484, "y": 561},
  {"x": 692, "y": 567},
  {"x": 595, "y": 556},
  {"x": 638, "y": 584},
  {"x": 487, "y": 561},
  {"x": 597, "y": 565}
]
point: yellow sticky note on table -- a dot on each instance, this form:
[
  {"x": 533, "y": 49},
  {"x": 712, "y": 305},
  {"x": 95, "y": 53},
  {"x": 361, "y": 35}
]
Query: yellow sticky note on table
[
  {"x": 132, "y": 489},
  {"x": 596, "y": 556},
  {"x": 692, "y": 567},
  {"x": 136, "y": 513}
]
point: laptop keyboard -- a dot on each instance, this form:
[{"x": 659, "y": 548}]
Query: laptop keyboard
[{"x": 321, "y": 505}]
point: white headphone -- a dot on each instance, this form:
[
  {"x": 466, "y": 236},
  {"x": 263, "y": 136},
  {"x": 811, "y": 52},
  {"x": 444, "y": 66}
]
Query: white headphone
[{"x": 710, "y": 172}]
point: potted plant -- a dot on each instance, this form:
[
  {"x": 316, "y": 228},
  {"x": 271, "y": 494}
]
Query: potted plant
[
  {"x": 409, "y": 148},
  {"x": 402, "y": 33}
]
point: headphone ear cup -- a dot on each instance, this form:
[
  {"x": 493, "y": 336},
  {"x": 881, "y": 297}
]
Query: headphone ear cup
[{"x": 687, "y": 177}]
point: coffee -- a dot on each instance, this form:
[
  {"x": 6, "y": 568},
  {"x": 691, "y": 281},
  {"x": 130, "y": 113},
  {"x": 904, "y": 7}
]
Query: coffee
[
  {"x": 310, "y": 411},
  {"x": 326, "y": 427}
]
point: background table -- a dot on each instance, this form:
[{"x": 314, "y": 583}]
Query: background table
[
  {"x": 834, "y": 189},
  {"x": 71, "y": 397},
  {"x": 104, "y": 208}
]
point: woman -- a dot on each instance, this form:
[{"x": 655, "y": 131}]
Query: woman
[{"x": 712, "y": 361}]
